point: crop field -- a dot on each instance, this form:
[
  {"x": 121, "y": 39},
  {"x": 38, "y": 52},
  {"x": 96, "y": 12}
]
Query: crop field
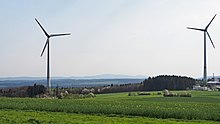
[
  {"x": 35, "y": 117},
  {"x": 202, "y": 106}
]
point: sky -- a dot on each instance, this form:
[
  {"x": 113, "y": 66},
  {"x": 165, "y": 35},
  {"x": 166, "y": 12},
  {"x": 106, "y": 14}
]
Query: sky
[{"x": 131, "y": 37}]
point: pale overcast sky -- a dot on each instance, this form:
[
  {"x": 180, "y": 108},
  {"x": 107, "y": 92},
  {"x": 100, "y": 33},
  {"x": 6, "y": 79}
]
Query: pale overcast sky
[{"x": 132, "y": 37}]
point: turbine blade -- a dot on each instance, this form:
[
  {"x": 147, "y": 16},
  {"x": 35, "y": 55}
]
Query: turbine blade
[
  {"x": 210, "y": 39},
  {"x": 54, "y": 35},
  {"x": 210, "y": 22},
  {"x": 196, "y": 29},
  {"x": 44, "y": 47},
  {"x": 42, "y": 28}
]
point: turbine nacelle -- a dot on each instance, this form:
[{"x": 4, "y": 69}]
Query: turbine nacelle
[
  {"x": 205, "y": 30},
  {"x": 48, "y": 36}
]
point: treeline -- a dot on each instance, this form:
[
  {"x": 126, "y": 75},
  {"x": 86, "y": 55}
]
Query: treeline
[
  {"x": 106, "y": 89},
  {"x": 120, "y": 88},
  {"x": 157, "y": 83},
  {"x": 162, "y": 82},
  {"x": 25, "y": 91}
]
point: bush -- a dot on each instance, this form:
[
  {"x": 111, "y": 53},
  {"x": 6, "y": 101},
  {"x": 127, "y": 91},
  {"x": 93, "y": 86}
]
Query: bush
[
  {"x": 171, "y": 94},
  {"x": 144, "y": 93},
  {"x": 159, "y": 93},
  {"x": 91, "y": 95},
  {"x": 185, "y": 95},
  {"x": 32, "y": 91},
  {"x": 132, "y": 94}
]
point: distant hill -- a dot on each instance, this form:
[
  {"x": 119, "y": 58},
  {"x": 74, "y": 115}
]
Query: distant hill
[
  {"x": 73, "y": 81},
  {"x": 111, "y": 76},
  {"x": 21, "y": 78},
  {"x": 68, "y": 82},
  {"x": 102, "y": 76}
]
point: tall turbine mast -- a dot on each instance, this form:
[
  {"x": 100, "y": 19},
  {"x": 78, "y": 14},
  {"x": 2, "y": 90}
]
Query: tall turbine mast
[
  {"x": 47, "y": 44},
  {"x": 205, "y": 32}
]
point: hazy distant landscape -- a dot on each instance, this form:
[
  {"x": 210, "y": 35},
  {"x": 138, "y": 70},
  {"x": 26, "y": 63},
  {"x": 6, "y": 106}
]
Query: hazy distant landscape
[
  {"x": 68, "y": 82},
  {"x": 80, "y": 81}
]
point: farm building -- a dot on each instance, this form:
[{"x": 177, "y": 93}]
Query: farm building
[
  {"x": 215, "y": 85},
  {"x": 198, "y": 87}
]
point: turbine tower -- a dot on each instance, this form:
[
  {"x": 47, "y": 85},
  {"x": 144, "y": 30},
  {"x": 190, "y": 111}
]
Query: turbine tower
[
  {"x": 47, "y": 44},
  {"x": 205, "y": 32}
]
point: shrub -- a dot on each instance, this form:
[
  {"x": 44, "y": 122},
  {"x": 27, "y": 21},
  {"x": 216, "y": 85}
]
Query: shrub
[
  {"x": 85, "y": 91},
  {"x": 144, "y": 93},
  {"x": 159, "y": 93},
  {"x": 91, "y": 95},
  {"x": 171, "y": 94},
  {"x": 185, "y": 95},
  {"x": 132, "y": 94}
]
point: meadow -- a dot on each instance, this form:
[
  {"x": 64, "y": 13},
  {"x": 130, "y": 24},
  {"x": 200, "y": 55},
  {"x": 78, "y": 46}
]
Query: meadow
[{"x": 203, "y": 106}]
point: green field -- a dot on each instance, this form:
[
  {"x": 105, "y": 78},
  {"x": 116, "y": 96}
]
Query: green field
[
  {"x": 34, "y": 117},
  {"x": 202, "y": 107}
]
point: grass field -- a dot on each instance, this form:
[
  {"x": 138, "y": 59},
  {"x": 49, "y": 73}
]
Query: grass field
[
  {"x": 203, "y": 106},
  {"x": 34, "y": 117}
]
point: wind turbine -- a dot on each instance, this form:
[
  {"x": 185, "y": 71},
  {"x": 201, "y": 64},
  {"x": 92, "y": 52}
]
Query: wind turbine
[
  {"x": 205, "y": 32},
  {"x": 47, "y": 44}
]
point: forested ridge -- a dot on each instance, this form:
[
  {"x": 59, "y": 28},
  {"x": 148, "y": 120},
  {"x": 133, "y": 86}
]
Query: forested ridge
[{"x": 168, "y": 82}]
